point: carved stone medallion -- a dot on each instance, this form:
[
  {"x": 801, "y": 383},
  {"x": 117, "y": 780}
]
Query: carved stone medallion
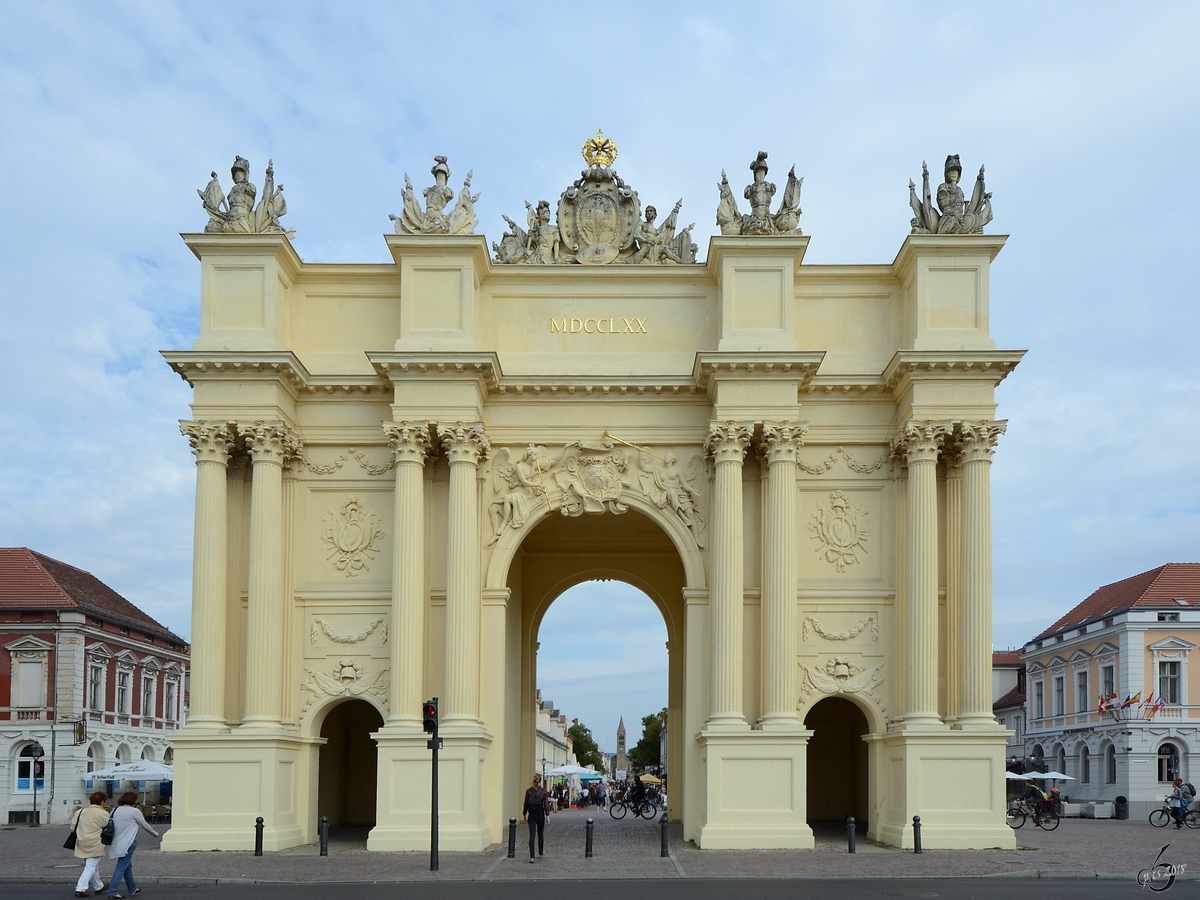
[
  {"x": 351, "y": 536},
  {"x": 839, "y": 530},
  {"x": 346, "y": 679},
  {"x": 592, "y": 483}
]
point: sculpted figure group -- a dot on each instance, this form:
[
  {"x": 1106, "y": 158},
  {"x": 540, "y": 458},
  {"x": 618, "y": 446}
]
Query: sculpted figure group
[{"x": 599, "y": 217}]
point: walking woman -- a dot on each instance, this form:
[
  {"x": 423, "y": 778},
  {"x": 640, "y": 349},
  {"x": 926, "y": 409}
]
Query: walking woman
[
  {"x": 536, "y": 809},
  {"x": 127, "y": 819},
  {"x": 88, "y": 823}
]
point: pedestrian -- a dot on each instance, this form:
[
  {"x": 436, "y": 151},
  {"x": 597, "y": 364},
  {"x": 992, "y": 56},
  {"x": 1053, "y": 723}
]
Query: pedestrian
[
  {"x": 127, "y": 819},
  {"x": 1179, "y": 800},
  {"x": 87, "y": 824},
  {"x": 601, "y": 796},
  {"x": 536, "y": 809}
]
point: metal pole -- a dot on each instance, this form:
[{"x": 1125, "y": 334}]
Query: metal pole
[
  {"x": 258, "y": 834},
  {"x": 324, "y": 835},
  {"x": 587, "y": 847},
  {"x": 434, "y": 743},
  {"x": 850, "y": 835},
  {"x": 917, "y": 834},
  {"x": 512, "y": 837},
  {"x": 665, "y": 850}
]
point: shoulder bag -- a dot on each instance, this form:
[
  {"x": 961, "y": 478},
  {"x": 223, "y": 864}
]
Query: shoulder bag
[
  {"x": 109, "y": 831},
  {"x": 69, "y": 843}
]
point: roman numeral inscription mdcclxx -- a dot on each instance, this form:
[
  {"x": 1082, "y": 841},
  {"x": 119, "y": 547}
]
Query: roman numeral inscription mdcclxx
[{"x": 598, "y": 326}]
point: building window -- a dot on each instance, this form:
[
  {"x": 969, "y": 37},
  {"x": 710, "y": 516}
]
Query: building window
[
  {"x": 169, "y": 702},
  {"x": 1039, "y": 700},
  {"x": 1108, "y": 622},
  {"x": 1110, "y": 764},
  {"x": 1059, "y": 695},
  {"x": 1082, "y": 701},
  {"x": 1168, "y": 617},
  {"x": 1085, "y": 766},
  {"x": 1016, "y": 724},
  {"x": 1168, "y": 763},
  {"x": 1168, "y": 681},
  {"x": 95, "y": 688},
  {"x": 123, "y": 693},
  {"x": 1109, "y": 680},
  {"x": 147, "y": 696}
]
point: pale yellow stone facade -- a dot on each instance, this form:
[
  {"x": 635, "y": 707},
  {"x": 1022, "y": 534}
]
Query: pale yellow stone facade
[{"x": 810, "y": 514}]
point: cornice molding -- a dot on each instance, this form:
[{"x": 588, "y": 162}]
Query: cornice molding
[
  {"x": 276, "y": 244},
  {"x": 281, "y": 366},
  {"x": 798, "y": 366},
  {"x": 918, "y": 245},
  {"x": 908, "y": 366}
]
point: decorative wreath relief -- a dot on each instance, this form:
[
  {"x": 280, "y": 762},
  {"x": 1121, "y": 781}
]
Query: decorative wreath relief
[
  {"x": 351, "y": 536},
  {"x": 839, "y": 531}
]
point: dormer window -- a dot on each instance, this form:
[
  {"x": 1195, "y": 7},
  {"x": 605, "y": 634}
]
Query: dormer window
[{"x": 1168, "y": 617}]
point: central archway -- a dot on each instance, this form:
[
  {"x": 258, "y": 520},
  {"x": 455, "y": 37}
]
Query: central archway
[
  {"x": 558, "y": 553},
  {"x": 838, "y": 763},
  {"x": 347, "y": 776}
]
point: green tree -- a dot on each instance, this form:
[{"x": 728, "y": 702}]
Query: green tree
[
  {"x": 586, "y": 750},
  {"x": 645, "y": 755}
]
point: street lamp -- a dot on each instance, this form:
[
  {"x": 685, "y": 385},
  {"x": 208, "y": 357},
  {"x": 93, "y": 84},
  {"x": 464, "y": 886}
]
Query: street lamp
[{"x": 37, "y": 753}]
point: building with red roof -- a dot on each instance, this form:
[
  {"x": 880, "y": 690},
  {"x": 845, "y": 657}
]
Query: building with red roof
[
  {"x": 1112, "y": 699},
  {"x": 86, "y": 676}
]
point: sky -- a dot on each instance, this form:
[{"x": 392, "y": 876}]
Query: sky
[{"x": 1085, "y": 114}]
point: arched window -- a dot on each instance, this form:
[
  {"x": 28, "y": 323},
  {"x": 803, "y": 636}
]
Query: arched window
[
  {"x": 1110, "y": 764},
  {"x": 1039, "y": 760},
  {"x": 148, "y": 753},
  {"x": 95, "y": 757},
  {"x": 1085, "y": 765},
  {"x": 29, "y": 767},
  {"x": 169, "y": 756},
  {"x": 1060, "y": 760},
  {"x": 1168, "y": 763}
]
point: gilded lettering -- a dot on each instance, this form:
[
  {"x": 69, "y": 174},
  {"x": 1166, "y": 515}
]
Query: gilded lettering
[
  {"x": 628, "y": 326},
  {"x": 555, "y": 327},
  {"x": 642, "y": 325},
  {"x": 585, "y": 326},
  {"x": 600, "y": 330},
  {"x": 611, "y": 329},
  {"x": 576, "y": 326}
]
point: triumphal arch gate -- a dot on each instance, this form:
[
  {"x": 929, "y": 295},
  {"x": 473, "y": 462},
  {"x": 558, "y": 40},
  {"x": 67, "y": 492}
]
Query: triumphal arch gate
[{"x": 401, "y": 466}]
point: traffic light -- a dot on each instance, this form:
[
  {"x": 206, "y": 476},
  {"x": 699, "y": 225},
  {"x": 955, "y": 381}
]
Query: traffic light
[{"x": 429, "y": 714}]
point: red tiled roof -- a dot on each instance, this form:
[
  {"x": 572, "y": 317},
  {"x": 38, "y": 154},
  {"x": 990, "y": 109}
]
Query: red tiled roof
[
  {"x": 1015, "y": 697},
  {"x": 1007, "y": 658},
  {"x": 31, "y": 580},
  {"x": 1171, "y": 585}
]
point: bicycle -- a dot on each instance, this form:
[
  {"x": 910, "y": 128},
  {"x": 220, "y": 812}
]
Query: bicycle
[
  {"x": 618, "y": 808},
  {"x": 1162, "y": 816},
  {"x": 1017, "y": 813}
]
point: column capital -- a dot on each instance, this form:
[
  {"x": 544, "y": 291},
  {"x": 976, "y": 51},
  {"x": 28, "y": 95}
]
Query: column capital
[
  {"x": 211, "y": 439},
  {"x": 464, "y": 441},
  {"x": 781, "y": 440},
  {"x": 410, "y": 441},
  {"x": 977, "y": 440},
  {"x": 920, "y": 440},
  {"x": 727, "y": 441},
  {"x": 270, "y": 441}
]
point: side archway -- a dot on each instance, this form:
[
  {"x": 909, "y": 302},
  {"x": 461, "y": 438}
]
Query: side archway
[{"x": 347, "y": 766}]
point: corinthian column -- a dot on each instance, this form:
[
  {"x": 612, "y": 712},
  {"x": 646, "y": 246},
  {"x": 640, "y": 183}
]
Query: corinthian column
[
  {"x": 977, "y": 442},
  {"x": 781, "y": 441},
  {"x": 211, "y": 442},
  {"x": 918, "y": 444},
  {"x": 465, "y": 446},
  {"x": 410, "y": 446},
  {"x": 270, "y": 443},
  {"x": 726, "y": 442}
]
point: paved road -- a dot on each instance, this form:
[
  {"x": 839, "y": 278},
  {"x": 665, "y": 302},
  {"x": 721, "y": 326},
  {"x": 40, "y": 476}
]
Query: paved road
[{"x": 683, "y": 889}]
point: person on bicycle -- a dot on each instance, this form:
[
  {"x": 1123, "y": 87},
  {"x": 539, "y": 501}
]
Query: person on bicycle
[
  {"x": 639, "y": 792},
  {"x": 1036, "y": 796}
]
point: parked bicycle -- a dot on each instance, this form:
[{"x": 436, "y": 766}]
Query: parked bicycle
[
  {"x": 618, "y": 808},
  {"x": 1017, "y": 813},
  {"x": 1162, "y": 817}
]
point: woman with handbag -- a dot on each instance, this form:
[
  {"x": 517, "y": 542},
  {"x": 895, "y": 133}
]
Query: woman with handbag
[
  {"x": 88, "y": 824},
  {"x": 127, "y": 819}
]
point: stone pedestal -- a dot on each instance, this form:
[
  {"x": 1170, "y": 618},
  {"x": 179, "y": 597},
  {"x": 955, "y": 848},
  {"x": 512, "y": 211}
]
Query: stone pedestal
[
  {"x": 755, "y": 785},
  {"x": 953, "y": 780}
]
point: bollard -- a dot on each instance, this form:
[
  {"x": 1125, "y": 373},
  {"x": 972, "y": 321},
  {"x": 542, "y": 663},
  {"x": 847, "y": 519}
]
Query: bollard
[
  {"x": 512, "y": 838},
  {"x": 917, "y": 834},
  {"x": 662, "y": 826},
  {"x": 324, "y": 835},
  {"x": 591, "y": 829},
  {"x": 258, "y": 832},
  {"x": 850, "y": 835}
]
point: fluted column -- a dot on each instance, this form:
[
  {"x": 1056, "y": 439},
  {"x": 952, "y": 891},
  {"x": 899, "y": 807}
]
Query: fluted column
[
  {"x": 951, "y": 649},
  {"x": 781, "y": 441},
  {"x": 919, "y": 444},
  {"x": 211, "y": 442},
  {"x": 465, "y": 446},
  {"x": 726, "y": 442},
  {"x": 269, "y": 443},
  {"x": 410, "y": 446},
  {"x": 977, "y": 442}
]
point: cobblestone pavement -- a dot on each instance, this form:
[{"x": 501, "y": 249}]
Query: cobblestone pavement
[{"x": 1080, "y": 848}]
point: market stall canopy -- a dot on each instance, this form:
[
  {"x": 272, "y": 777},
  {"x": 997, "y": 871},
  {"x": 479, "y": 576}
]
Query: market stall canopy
[
  {"x": 145, "y": 770},
  {"x": 1056, "y": 776},
  {"x": 570, "y": 769},
  {"x": 651, "y": 779}
]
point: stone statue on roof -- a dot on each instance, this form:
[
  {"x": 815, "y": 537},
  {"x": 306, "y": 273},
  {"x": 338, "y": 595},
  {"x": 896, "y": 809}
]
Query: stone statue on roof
[
  {"x": 237, "y": 214},
  {"x": 954, "y": 215},
  {"x": 433, "y": 219},
  {"x": 760, "y": 192}
]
